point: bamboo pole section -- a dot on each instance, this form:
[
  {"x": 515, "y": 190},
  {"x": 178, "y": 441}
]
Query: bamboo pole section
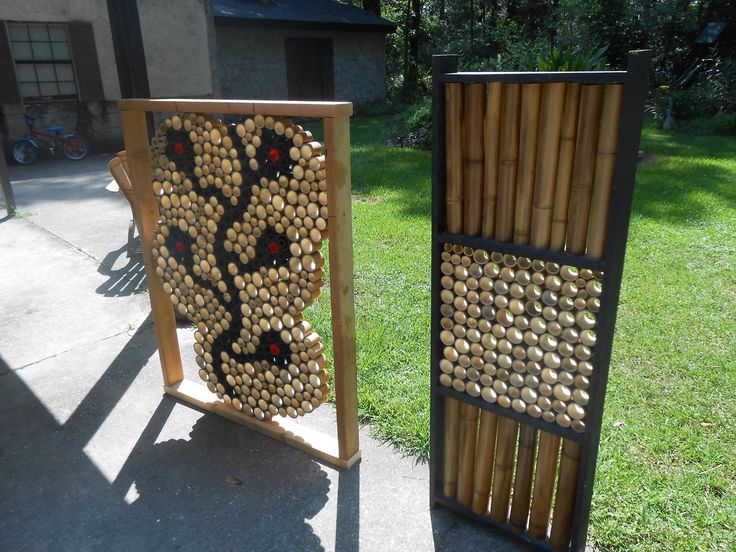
[
  {"x": 454, "y": 155},
  {"x": 484, "y": 461},
  {"x": 503, "y": 469},
  {"x": 548, "y": 148},
  {"x": 604, "y": 166},
  {"x": 565, "y": 498},
  {"x": 544, "y": 484},
  {"x": 451, "y": 430},
  {"x": 566, "y": 159},
  {"x": 466, "y": 458},
  {"x": 473, "y": 158},
  {"x": 491, "y": 135},
  {"x": 524, "y": 474},
  {"x": 583, "y": 170},
  {"x": 529, "y": 125},
  {"x": 508, "y": 156}
]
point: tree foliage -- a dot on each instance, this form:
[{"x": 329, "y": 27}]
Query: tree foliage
[{"x": 512, "y": 34}]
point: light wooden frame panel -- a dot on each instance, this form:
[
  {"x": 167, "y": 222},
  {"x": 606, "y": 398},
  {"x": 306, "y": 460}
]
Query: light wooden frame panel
[{"x": 344, "y": 450}]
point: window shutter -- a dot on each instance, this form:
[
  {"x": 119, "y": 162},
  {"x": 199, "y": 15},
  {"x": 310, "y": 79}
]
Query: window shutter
[
  {"x": 86, "y": 63},
  {"x": 9, "y": 93}
]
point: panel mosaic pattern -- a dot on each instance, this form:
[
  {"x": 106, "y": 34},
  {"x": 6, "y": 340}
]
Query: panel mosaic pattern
[
  {"x": 519, "y": 332},
  {"x": 243, "y": 215}
]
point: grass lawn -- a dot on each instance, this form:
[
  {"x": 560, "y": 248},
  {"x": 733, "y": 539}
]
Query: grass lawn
[{"x": 667, "y": 465}]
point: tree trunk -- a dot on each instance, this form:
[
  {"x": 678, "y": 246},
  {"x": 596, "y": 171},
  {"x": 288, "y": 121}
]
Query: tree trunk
[
  {"x": 373, "y": 6},
  {"x": 411, "y": 75}
]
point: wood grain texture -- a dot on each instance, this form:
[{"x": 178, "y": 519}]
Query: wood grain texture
[
  {"x": 484, "y": 461},
  {"x": 523, "y": 481},
  {"x": 503, "y": 471},
  {"x": 454, "y": 157},
  {"x": 473, "y": 158},
  {"x": 565, "y": 497},
  {"x": 339, "y": 198},
  {"x": 466, "y": 457},
  {"x": 452, "y": 434},
  {"x": 491, "y": 134},
  {"x": 583, "y": 169},
  {"x": 604, "y": 167},
  {"x": 566, "y": 159},
  {"x": 548, "y": 150},
  {"x": 508, "y": 157},
  {"x": 529, "y": 127},
  {"x": 135, "y": 133}
]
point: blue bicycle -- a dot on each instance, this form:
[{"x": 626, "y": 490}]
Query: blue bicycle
[{"x": 27, "y": 150}]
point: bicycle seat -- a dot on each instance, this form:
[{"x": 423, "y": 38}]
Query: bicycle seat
[{"x": 56, "y": 128}]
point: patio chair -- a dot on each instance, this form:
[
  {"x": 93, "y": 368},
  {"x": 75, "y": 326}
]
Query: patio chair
[{"x": 121, "y": 184}]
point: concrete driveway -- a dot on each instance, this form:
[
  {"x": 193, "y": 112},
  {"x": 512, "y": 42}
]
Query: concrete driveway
[{"x": 94, "y": 456}]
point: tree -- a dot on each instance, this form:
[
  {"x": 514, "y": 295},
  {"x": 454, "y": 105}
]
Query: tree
[{"x": 373, "y": 6}]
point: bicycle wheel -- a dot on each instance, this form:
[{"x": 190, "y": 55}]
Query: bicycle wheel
[
  {"x": 25, "y": 152},
  {"x": 74, "y": 147}
]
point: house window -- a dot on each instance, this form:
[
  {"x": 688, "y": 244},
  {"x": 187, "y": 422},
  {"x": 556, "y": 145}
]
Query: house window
[{"x": 43, "y": 60}]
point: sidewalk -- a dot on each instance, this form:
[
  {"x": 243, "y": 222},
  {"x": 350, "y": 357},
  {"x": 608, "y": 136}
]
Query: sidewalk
[{"x": 93, "y": 455}]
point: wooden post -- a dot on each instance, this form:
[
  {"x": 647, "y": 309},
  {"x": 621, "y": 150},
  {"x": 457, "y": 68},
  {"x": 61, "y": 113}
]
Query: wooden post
[
  {"x": 5, "y": 182},
  {"x": 337, "y": 138},
  {"x": 135, "y": 130}
]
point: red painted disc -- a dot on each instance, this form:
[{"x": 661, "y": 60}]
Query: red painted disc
[
  {"x": 273, "y": 247},
  {"x": 179, "y": 246},
  {"x": 275, "y": 349},
  {"x": 274, "y": 155},
  {"x": 179, "y": 148}
]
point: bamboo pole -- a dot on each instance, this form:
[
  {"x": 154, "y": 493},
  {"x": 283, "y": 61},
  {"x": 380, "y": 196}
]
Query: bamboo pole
[
  {"x": 507, "y": 162},
  {"x": 484, "y": 461},
  {"x": 583, "y": 169},
  {"x": 466, "y": 458},
  {"x": 544, "y": 484},
  {"x": 473, "y": 158},
  {"x": 529, "y": 125},
  {"x": 604, "y": 166},
  {"x": 453, "y": 154},
  {"x": 492, "y": 132},
  {"x": 566, "y": 159},
  {"x": 503, "y": 469},
  {"x": 565, "y": 497},
  {"x": 524, "y": 474},
  {"x": 548, "y": 148},
  {"x": 451, "y": 430}
]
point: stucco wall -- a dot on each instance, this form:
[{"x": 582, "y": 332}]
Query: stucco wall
[
  {"x": 177, "y": 52},
  {"x": 252, "y": 63}
]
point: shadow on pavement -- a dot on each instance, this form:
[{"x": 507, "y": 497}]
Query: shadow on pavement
[
  {"x": 126, "y": 280},
  {"x": 170, "y": 493}
]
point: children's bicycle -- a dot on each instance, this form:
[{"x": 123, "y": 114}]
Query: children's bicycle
[{"x": 26, "y": 150}]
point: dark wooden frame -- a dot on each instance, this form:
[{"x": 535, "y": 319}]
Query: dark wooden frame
[{"x": 635, "y": 79}]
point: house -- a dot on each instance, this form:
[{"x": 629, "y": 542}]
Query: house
[{"x": 58, "y": 60}]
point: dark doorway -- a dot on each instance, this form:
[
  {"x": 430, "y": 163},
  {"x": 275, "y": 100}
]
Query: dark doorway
[{"x": 309, "y": 69}]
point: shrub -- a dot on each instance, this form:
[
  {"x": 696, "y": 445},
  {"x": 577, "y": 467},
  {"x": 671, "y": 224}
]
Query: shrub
[{"x": 413, "y": 127}]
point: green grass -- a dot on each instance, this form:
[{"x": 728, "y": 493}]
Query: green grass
[{"x": 665, "y": 478}]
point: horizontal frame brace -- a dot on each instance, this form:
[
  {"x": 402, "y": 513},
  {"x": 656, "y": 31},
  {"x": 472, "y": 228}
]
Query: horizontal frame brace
[
  {"x": 537, "y": 423},
  {"x": 240, "y": 107},
  {"x": 321, "y": 446},
  {"x": 503, "y": 527},
  {"x": 488, "y": 244},
  {"x": 582, "y": 77}
]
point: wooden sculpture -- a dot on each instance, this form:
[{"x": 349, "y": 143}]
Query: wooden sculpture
[
  {"x": 232, "y": 220},
  {"x": 526, "y": 281}
]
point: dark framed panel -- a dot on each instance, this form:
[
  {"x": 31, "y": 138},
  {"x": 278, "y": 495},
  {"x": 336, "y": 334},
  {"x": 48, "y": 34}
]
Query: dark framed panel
[{"x": 526, "y": 443}]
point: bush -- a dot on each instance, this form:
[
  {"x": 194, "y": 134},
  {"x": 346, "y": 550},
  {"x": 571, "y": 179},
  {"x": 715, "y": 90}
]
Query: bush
[
  {"x": 412, "y": 128},
  {"x": 724, "y": 124}
]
